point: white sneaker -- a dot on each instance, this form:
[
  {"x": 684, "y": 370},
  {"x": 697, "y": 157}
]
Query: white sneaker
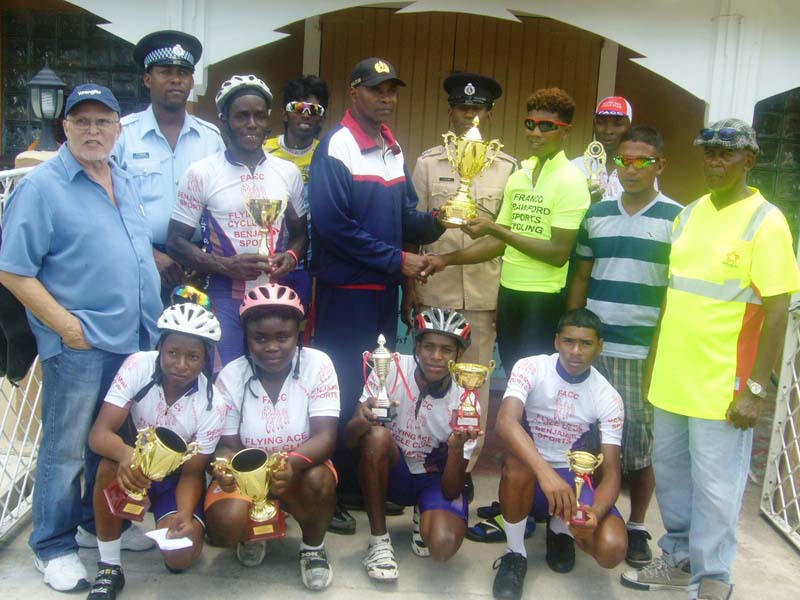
[
  {"x": 63, "y": 574},
  {"x": 251, "y": 554},
  {"x": 418, "y": 545},
  {"x": 380, "y": 562},
  {"x": 133, "y": 539},
  {"x": 315, "y": 570}
]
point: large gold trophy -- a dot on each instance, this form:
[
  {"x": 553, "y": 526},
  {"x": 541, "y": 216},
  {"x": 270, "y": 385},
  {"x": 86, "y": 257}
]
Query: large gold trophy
[
  {"x": 469, "y": 155},
  {"x": 380, "y": 360},
  {"x": 594, "y": 159},
  {"x": 252, "y": 470},
  {"x": 265, "y": 212},
  {"x": 583, "y": 464},
  {"x": 156, "y": 453},
  {"x": 471, "y": 377}
]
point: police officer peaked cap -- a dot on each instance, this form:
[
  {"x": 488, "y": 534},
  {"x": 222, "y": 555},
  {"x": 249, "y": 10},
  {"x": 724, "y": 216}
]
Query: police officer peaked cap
[
  {"x": 167, "y": 48},
  {"x": 472, "y": 88}
]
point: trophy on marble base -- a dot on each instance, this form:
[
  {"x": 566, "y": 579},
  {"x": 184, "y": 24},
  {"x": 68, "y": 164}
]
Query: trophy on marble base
[
  {"x": 380, "y": 360},
  {"x": 471, "y": 377}
]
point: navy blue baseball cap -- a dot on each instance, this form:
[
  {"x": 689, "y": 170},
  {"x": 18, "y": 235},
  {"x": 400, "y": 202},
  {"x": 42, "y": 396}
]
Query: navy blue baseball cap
[{"x": 91, "y": 91}]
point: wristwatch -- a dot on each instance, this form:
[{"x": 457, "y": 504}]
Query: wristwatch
[{"x": 756, "y": 389}]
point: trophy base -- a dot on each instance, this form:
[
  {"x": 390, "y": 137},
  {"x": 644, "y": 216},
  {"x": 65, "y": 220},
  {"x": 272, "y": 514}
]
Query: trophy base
[
  {"x": 580, "y": 517},
  {"x": 122, "y": 505},
  {"x": 457, "y": 221},
  {"x": 461, "y": 421},
  {"x": 384, "y": 414},
  {"x": 270, "y": 529}
]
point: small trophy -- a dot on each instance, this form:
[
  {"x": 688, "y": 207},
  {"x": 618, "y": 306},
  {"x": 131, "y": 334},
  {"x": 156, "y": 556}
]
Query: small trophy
[
  {"x": 594, "y": 159},
  {"x": 265, "y": 213},
  {"x": 380, "y": 359},
  {"x": 583, "y": 464},
  {"x": 252, "y": 469},
  {"x": 157, "y": 453},
  {"x": 469, "y": 155},
  {"x": 471, "y": 377}
]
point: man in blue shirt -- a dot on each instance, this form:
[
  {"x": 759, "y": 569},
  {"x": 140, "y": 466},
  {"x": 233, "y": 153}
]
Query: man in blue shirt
[
  {"x": 158, "y": 144},
  {"x": 76, "y": 252}
]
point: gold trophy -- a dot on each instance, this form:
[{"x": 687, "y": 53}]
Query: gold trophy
[
  {"x": 594, "y": 159},
  {"x": 583, "y": 464},
  {"x": 265, "y": 212},
  {"x": 469, "y": 155},
  {"x": 380, "y": 360},
  {"x": 252, "y": 470},
  {"x": 471, "y": 377},
  {"x": 156, "y": 453}
]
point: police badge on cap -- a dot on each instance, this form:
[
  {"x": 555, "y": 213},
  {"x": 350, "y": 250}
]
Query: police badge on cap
[
  {"x": 167, "y": 48},
  {"x": 472, "y": 89}
]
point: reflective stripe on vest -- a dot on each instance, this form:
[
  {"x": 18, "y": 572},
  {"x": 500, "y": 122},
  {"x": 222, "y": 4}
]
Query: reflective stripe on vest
[{"x": 683, "y": 218}]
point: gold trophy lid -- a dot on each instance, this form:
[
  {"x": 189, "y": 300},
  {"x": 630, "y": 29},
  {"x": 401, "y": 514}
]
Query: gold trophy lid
[
  {"x": 473, "y": 133},
  {"x": 381, "y": 352}
]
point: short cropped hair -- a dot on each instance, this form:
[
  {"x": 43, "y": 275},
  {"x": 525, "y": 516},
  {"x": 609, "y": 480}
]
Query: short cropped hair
[
  {"x": 553, "y": 100},
  {"x": 646, "y": 135},
  {"x": 581, "y": 317},
  {"x": 305, "y": 86}
]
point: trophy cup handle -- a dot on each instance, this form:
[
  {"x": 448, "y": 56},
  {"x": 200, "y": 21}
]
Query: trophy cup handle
[
  {"x": 223, "y": 464},
  {"x": 449, "y": 139},
  {"x": 192, "y": 449},
  {"x": 492, "y": 365},
  {"x": 145, "y": 437},
  {"x": 451, "y": 366},
  {"x": 495, "y": 146},
  {"x": 599, "y": 460}
]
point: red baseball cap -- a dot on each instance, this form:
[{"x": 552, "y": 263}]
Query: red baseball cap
[{"x": 615, "y": 106}]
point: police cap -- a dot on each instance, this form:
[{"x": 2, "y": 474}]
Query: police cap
[
  {"x": 472, "y": 88},
  {"x": 167, "y": 48}
]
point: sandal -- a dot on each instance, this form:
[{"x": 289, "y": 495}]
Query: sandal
[
  {"x": 492, "y": 530},
  {"x": 487, "y": 512}
]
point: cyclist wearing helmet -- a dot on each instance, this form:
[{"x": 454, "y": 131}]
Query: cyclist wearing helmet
[
  {"x": 417, "y": 459},
  {"x": 281, "y": 398},
  {"x": 171, "y": 388},
  {"x": 212, "y": 192}
]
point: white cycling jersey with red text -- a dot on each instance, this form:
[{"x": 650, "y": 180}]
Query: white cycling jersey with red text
[
  {"x": 558, "y": 413},
  {"x": 187, "y": 417},
  {"x": 421, "y": 437},
  {"x": 283, "y": 423}
]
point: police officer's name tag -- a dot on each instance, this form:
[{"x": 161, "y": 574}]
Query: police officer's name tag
[
  {"x": 446, "y": 179},
  {"x": 140, "y": 155}
]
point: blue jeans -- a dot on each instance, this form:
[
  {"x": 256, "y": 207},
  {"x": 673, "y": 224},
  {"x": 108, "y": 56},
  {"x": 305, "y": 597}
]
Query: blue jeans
[
  {"x": 701, "y": 470},
  {"x": 74, "y": 384}
]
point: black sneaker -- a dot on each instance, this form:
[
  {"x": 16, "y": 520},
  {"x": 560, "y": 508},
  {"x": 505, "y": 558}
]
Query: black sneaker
[
  {"x": 639, "y": 553},
  {"x": 342, "y": 522},
  {"x": 469, "y": 488},
  {"x": 511, "y": 570},
  {"x": 107, "y": 584},
  {"x": 560, "y": 551}
]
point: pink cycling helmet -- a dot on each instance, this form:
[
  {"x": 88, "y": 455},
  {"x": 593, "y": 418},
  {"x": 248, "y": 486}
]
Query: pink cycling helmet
[{"x": 271, "y": 294}]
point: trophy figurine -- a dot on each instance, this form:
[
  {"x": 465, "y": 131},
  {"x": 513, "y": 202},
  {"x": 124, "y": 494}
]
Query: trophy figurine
[
  {"x": 471, "y": 377},
  {"x": 469, "y": 155},
  {"x": 252, "y": 470},
  {"x": 594, "y": 159},
  {"x": 380, "y": 359},
  {"x": 583, "y": 464},
  {"x": 265, "y": 212},
  {"x": 157, "y": 453}
]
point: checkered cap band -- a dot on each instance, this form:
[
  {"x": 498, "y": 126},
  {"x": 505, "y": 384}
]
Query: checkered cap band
[{"x": 176, "y": 52}]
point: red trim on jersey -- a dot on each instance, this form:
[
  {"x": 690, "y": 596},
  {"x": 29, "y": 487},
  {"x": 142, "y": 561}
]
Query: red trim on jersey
[{"x": 379, "y": 179}]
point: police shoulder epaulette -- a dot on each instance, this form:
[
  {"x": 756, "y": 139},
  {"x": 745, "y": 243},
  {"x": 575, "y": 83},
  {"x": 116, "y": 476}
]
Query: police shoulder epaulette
[
  {"x": 435, "y": 151},
  {"x": 206, "y": 124}
]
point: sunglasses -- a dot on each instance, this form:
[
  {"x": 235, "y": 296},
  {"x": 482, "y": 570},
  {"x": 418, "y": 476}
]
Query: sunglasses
[
  {"x": 188, "y": 293},
  {"x": 306, "y": 108},
  {"x": 638, "y": 162},
  {"x": 544, "y": 125},
  {"x": 725, "y": 134}
]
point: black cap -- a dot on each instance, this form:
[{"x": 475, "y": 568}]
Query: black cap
[
  {"x": 166, "y": 48},
  {"x": 472, "y": 88},
  {"x": 373, "y": 71}
]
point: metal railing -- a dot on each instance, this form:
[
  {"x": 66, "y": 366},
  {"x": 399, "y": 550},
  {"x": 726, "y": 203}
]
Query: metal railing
[{"x": 21, "y": 423}]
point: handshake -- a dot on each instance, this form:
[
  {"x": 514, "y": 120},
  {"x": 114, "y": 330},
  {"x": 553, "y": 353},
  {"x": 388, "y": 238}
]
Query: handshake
[{"x": 422, "y": 266}]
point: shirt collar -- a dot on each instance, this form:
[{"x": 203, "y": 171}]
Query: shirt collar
[
  {"x": 73, "y": 167},
  {"x": 364, "y": 140},
  {"x": 233, "y": 161},
  {"x": 551, "y": 163},
  {"x": 149, "y": 123},
  {"x": 573, "y": 379}
]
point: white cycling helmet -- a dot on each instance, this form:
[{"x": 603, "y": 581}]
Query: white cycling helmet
[
  {"x": 446, "y": 322},
  {"x": 190, "y": 319},
  {"x": 238, "y": 82}
]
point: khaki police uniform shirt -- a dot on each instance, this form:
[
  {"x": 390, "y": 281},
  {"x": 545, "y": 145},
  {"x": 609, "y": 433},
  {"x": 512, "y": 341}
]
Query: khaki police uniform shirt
[{"x": 467, "y": 287}]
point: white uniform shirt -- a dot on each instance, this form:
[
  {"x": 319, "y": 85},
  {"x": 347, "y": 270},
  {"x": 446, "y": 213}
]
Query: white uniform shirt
[
  {"x": 187, "y": 417},
  {"x": 558, "y": 413},
  {"x": 284, "y": 425},
  {"x": 422, "y": 439}
]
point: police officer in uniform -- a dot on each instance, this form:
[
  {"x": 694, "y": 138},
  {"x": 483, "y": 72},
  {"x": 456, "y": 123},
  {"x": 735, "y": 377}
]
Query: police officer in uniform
[
  {"x": 469, "y": 289},
  {"x": 159, "y": 143}
]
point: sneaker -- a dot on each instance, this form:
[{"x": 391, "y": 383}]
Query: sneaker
[
  {"x": 315, "y": 570},
  {"x": 469, "y": 488},
  {"x": 109, "y": 581},
  {"x": 251, "y": 554},
  {"x": 714, "y": 589},
  {"x": 342, "y": 522},
  {"x": 511, "y": 570},
  {"x": 659, "y": 575},
  {"x": 133, "y": 539},
  {"x": 639, "y": 553},
  {"x": 380, "y": 562},
  {"x": 560, "y": 551},
  {"x": 418, "y": 545},
  {"x": 63, "y": 574}
]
